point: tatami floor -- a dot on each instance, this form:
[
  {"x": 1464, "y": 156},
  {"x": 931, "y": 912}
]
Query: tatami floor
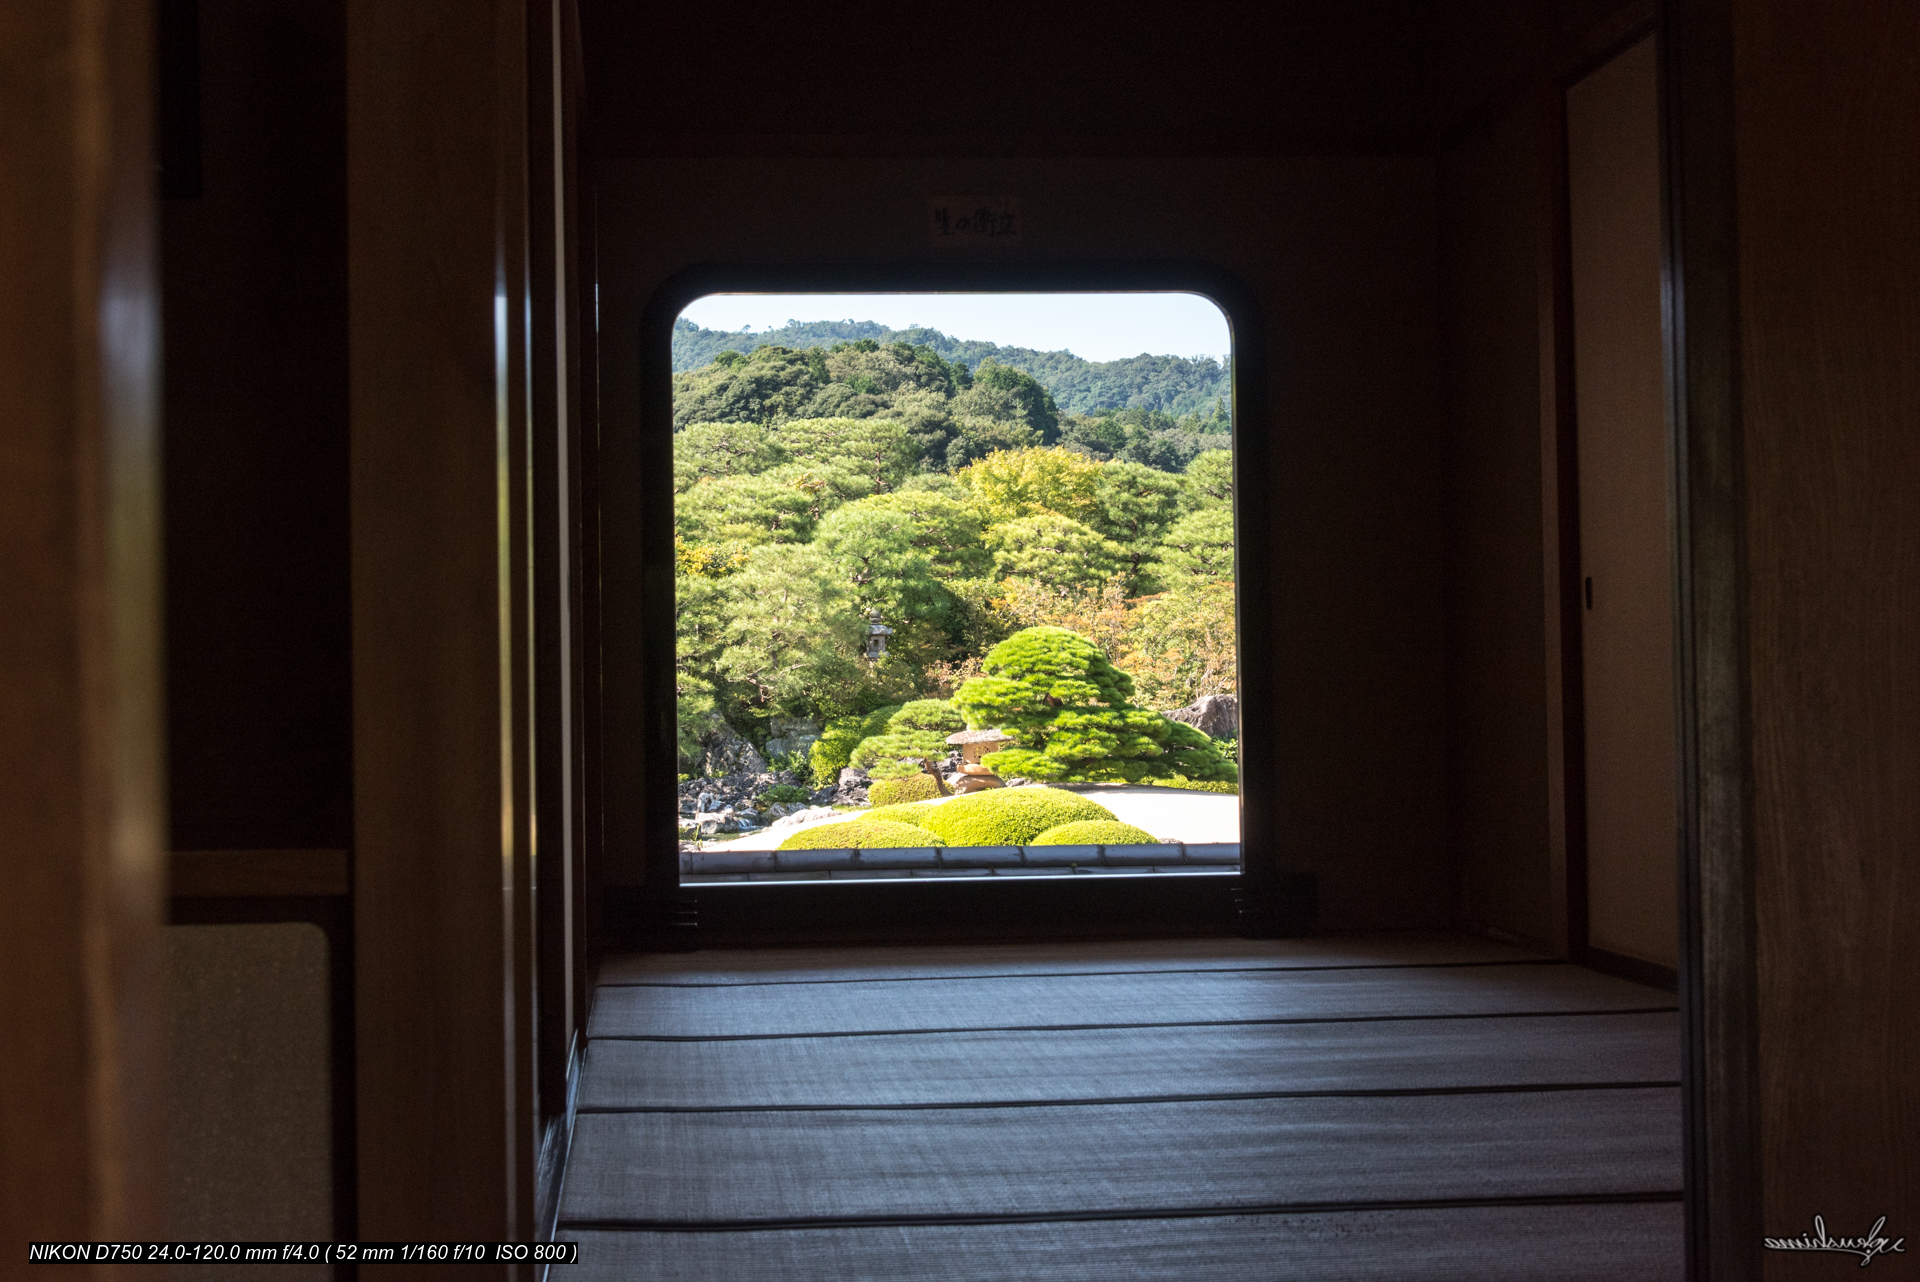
[{"x": 1391, "y": 1107}]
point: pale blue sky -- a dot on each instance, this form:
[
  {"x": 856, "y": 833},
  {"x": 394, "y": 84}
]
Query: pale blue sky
[{"x": 1096, "y": 327}]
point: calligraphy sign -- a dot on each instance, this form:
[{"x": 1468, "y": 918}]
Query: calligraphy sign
[{"x": 973, "y": 222}]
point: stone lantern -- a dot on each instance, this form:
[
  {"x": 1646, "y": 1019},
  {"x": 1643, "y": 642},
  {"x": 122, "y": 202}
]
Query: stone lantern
[
  {"x": 973, "y": 776},
  {"x": 877, "y": 634}
]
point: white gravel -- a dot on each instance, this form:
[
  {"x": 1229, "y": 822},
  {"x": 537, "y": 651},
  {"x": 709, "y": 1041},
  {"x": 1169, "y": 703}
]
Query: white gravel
[{"x": 1170, "y": 814}]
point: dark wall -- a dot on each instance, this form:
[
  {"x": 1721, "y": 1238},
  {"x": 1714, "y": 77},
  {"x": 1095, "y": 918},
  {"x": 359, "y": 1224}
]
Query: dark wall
[
  {"x": 1491, "y": 246},
  {"x": 1269, "y": 76},
  {"x": 254, "y": 274},
  {"x": 1339, "y": 254}
]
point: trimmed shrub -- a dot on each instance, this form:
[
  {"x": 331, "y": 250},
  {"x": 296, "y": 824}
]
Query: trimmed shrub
[
  {"x": 783, "y": 792},
  {"x": 1095, "y": 832},
  {"x": 1008, "y": 816},
  {"x": 863, "y": 833},
  {"x": 906, "y": 813},
  {"x": 1199, "y": 785},
  {"x": 893, "y": 792}
]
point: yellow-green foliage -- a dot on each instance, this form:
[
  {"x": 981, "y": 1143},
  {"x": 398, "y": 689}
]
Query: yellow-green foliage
[
  {"x": 893, "y": 792},
  {"x": 906, "y": 813},
  {"x": 864, "y": 833},
  {"x": 1199, "y": 785},
  {"x": 1008, "y": 816},
  {"x": 1095, "y": 832}
]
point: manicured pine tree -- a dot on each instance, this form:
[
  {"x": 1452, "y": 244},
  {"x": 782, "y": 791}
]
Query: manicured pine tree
[{"x": 1072, "y": 714}]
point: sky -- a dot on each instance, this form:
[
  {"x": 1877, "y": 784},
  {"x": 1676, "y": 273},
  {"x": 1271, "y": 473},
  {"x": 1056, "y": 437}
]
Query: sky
[{"x": 1095, "y": 327}]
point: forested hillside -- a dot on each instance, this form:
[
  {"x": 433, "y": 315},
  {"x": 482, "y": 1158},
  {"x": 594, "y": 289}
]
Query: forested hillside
[
  {"x": 820, "y": 491},
  {"x": 953, "y": 413},
  {"x": 1172, "y": 385}
]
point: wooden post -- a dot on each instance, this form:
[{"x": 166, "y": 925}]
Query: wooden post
[
  {"x": 82, "y": 1082},
  {"x": 442, "y": 617}
]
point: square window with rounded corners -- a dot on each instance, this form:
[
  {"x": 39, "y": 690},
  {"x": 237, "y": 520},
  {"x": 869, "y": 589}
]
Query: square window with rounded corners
[{"x": 954, "y": 586}]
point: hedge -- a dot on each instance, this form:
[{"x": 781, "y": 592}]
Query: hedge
[
  {"x": 864, "y": 833},
  {"x": 1008, "y": 816},
  {"x": 1096, "y": 832}
]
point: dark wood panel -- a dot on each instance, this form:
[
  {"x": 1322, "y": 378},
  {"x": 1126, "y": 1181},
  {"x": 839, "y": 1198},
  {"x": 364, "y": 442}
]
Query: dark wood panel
[
  {"x": 259, "y": 709},
  {"x": 82, "y": 783},
  {"x": 1041, "y": 1162},
  {"x": 250, "y": 873},
  {"x": 1828, "y": 111}
]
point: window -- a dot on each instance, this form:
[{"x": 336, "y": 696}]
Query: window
[{"x": 954, "y": 585}]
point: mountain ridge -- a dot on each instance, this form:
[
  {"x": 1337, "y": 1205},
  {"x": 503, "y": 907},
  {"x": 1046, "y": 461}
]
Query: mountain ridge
[{"x": 1174, "y": 385}]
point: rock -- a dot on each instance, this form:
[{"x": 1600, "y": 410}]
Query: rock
[
  {"x": 791, "y": 734},
  {"x": 724, "y": 751},
  {"x": 824, "y": 796},
  {"x": 799, "y": 817},
  {"x": 1215, "y": 715}
]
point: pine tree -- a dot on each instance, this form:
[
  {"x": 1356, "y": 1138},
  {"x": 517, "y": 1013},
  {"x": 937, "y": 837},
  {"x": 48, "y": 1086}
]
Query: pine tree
[{"x": 1072, "y": 714}]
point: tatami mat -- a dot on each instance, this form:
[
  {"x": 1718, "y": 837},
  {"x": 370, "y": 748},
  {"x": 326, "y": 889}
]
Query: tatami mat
[
  {"x": 1411, "y": 1105},
  {"x": 816, "y": 965},
  {"x": 1059, "y": 1160},
  {"x": 1639, "y": 1242},
  {"x": 1065, "y": 1001},
  {"x": 1129, "y": 1063}
]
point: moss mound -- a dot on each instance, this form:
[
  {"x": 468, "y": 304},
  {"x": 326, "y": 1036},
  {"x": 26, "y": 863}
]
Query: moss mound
[
  {"x": 906, "y": 813},
  {"x": 893, "y": 792},
  {"x": 864, "y": 833},
  {"x": 1096, "y": 832},
  {"x": 1009, "y": 816}
]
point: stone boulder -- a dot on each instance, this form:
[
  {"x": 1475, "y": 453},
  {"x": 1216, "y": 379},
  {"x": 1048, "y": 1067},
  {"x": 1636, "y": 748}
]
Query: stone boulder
[
  {"x": 792, "y": 734},
  {"x": 729, "y": 754},
  {"x": 1215, "y": 715}
]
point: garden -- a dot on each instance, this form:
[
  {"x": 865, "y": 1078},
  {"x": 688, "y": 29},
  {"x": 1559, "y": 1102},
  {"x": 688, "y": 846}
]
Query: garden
[{"x": 911, "y": 592}]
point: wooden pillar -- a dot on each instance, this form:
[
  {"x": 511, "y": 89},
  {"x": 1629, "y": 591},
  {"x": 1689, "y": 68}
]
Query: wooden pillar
[
  {"x": 442, "y": 617},
  {"x": 1826, "y": 110},
  {"x": 82, "y": 1080}
]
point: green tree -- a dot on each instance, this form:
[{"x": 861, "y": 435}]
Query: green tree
[
  {"x": 947, "y": 529},
  {"x": 1071, "y": 712},
  {"x": 1054, "y": 550},
  {"x": 918, "y": 729},
  {"x": 722, "y": 449},
  {"x": 874, "y": 555},
  {"x": 791, "y": 636},
  {"x": 1133, "y": 505},
  {"x": 879, "y": 451},
  {"x": 746, "y": 511},
  {"x": 1181, "y": 645},
  {"x": 1017, "y": 483},
  {"x": 765, "y": 386},
  {"x": 1209, "y": 480},
  {"x": 1036, "y": 405},
  {"x": 1199, "y": 546}
]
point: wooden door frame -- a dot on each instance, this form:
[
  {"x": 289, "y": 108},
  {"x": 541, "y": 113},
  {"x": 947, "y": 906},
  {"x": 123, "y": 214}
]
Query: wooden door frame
[
  {"x": 1718, "y": 966},
  {"x": 638, "y": 886},
  {"x": 1717, "y": 970}
]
